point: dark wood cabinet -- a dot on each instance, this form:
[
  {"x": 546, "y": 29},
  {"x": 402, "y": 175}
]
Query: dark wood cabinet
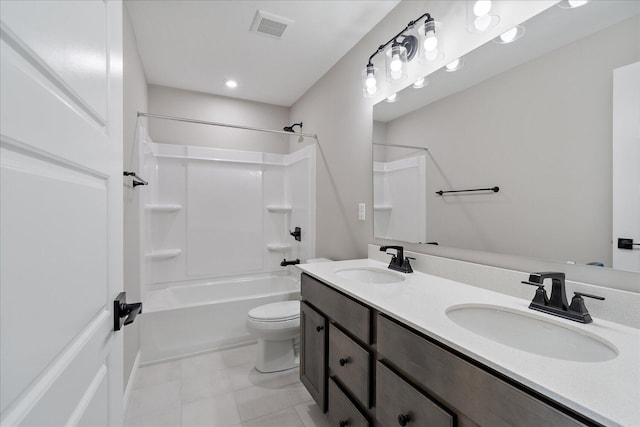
[
  {"x": 342, "y": 412},
  {"x": 402, "y": 404},
  {"x": 313, "y": 351},
  {"x": 367, "y": 369},
  {"x": 351, "y": 365}
]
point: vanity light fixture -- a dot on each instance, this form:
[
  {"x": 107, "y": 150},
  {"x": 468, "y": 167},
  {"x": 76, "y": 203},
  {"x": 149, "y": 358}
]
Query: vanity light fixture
[
  {"x": 403, "y": 48},
  {"x": 231, "y": 84},
  {"x": 454, "y": 65},
  {"x": 572, "y": 4},
  {"x": 392, "y": 98},
  {"x": 420, "y": 83},
  {"x": 511, "y": 35},
  {"x": 431, "y": 46},
  {"x": 481, "y": 15}
]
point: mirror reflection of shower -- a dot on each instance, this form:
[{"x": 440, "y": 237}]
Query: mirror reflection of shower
[{"x": 290, "y": 129}]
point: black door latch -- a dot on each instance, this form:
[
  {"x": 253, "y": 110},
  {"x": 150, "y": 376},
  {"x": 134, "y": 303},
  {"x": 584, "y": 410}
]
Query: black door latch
[{"x": 123, "y": 313}]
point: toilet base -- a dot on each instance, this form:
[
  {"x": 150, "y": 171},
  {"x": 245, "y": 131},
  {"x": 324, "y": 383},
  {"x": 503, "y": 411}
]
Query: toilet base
[{"x": 277, "y": 355}]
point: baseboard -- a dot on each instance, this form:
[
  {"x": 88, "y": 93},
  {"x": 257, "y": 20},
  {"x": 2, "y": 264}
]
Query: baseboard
[{"x": 130, "y": 383}]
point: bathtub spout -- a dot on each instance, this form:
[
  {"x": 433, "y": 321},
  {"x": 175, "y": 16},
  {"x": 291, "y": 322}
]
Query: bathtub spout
[{"x": 284, "y": 262}]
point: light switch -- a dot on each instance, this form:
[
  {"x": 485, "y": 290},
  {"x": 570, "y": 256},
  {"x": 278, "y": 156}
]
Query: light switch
[{"x": 361, "y": 211}]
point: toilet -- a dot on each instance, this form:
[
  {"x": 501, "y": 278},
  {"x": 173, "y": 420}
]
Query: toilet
[{"x": 277, "y": 327}]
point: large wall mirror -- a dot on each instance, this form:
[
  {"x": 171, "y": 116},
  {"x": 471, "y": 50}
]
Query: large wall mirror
[{"x": 534, "y": 118}]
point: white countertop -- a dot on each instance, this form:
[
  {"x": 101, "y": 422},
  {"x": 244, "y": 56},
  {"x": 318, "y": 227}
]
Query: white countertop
[{"x": 607, "y": 392}]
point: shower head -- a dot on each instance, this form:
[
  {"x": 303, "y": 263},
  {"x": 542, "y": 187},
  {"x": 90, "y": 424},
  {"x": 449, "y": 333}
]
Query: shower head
[{"x": 290, "y": 128}]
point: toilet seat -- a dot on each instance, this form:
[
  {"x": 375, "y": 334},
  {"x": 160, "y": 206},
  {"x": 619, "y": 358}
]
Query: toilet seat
[{"x": 276, "y": 312}]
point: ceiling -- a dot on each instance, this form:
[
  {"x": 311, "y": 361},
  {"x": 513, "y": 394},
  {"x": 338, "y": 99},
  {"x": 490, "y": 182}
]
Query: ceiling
[{"x": 198, "y": 45}]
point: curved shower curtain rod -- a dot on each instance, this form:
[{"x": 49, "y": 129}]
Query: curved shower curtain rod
[{"x": 202, "y": 122}]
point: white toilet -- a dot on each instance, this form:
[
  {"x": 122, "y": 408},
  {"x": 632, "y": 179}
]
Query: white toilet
[{"x": 277, "y": 327}]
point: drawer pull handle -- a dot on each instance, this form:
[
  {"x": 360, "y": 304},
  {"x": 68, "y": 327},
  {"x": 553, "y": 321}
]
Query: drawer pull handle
[
  {"x": 344, "y": 423},
  {"x": 319, "y": 328},
  {"x": 343, "y": 361},
  {"x": 403, "y": 419}
]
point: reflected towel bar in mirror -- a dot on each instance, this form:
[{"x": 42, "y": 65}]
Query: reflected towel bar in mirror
[{"x": 494, "y": 189}]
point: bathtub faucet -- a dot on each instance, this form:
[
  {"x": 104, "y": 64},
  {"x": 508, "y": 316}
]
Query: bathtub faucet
[{"x": 284, "y": 262}]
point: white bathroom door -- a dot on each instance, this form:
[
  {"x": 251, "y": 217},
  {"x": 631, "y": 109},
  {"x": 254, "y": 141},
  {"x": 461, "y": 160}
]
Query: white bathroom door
[
  {"x": 61, "y": 212},
  {"x": 626, "y": 165}
]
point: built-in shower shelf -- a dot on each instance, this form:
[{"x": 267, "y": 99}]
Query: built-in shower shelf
[
  {"x": 278, "y": 247},
  {"x": 162, "y": 254},
  {"x": 382, "y": 207},
  {"x": 169, "y": 207},
  {"x": 279, "y": 208}
]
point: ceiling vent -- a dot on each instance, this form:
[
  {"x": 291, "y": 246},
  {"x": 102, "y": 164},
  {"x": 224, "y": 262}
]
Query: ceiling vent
[{"x": 269, "y": 24}]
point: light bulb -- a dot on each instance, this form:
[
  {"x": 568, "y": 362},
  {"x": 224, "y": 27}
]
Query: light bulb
[
  {"x": 482, "y": 7},
  {"x": 577, "y": 3},
  {"x": 482, "y": 22},
  {"x": 430, "y": 42},
  {"x": 232, "y": 84},
  {"x": 453, "y": 65},
  {"x": 371, "y": 87},
  {"x": 396, "y": 63},
  {"x": 371, "y": 81},
  {"x": 392, "y": 98}
]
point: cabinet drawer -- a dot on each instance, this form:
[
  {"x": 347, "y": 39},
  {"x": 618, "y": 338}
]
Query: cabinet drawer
[
  {"x": 483, "y": 397},
  {"x": 350, "y": 363},
  {"x": 401, "y": 404},
  {"x": 348, "y": 313},
  {"x": 341, "y": 411}
]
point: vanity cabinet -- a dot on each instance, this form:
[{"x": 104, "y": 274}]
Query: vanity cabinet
[
  {"x": 378, "y": 371},
  {"x": 467, "y": 389},
  {"x": 313, "y": 353},
  {"x": 349, "y": 354}
]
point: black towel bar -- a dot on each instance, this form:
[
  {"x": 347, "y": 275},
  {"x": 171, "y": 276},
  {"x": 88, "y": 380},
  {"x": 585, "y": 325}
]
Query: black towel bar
[{"x": 494, "y": 189}]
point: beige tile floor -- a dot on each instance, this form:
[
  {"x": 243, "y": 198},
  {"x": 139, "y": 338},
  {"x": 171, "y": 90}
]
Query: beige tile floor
[{"x": 220, "y": 389}]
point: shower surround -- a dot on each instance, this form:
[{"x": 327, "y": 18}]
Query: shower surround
[{"x": 218, "y": 217}]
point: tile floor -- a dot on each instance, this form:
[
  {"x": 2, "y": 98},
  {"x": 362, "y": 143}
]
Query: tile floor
[{"x": 220, "y": 389}]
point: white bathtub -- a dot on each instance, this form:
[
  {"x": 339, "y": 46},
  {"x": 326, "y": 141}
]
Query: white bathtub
[{"x": 187, "y": 319}]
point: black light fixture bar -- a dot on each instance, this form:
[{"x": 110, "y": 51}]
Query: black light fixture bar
[{"x": 409, "y": 26}]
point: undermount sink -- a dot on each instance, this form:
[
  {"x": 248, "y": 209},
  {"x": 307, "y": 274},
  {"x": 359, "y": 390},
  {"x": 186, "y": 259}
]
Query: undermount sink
[
  {"x": 531, "y": 333},
  {"x": 370, "y": 275}
]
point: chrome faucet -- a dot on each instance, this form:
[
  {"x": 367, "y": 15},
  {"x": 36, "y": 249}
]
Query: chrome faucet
[
  {"x": 557, "y": 304},
  {"x": 398, "y": 261}
]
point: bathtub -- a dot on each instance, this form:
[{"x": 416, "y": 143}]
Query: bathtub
[{"x": 191, "y": 318}]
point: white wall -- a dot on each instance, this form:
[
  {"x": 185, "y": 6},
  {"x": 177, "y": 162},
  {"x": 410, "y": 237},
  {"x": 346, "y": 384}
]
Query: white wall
[
  {"x": 335, "y": 109},
  {"x": 546, "y": 144},
  {"x": 194, "y": 105},
  {"x": 135, "y": 99}
]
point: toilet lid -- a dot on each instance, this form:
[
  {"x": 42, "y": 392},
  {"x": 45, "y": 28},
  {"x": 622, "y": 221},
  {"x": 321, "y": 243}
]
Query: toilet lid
[{"x": 277, "y": 311}]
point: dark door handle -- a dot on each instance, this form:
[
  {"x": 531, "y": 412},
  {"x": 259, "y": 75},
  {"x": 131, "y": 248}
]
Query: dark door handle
[
  {"x": 343, "y": 361},
  {"x": 343, "y": 423},
  {"x": 124, "y": 313},
  {"x": 319, "y": 328}
]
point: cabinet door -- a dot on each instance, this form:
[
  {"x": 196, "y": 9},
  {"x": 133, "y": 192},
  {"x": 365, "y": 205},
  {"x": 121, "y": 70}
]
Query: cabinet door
[{"x": 313, "y": 354}]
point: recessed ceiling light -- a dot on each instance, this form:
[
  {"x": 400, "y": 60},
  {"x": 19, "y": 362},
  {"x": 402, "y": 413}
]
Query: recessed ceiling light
[{"x": 232, "y": 84}]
